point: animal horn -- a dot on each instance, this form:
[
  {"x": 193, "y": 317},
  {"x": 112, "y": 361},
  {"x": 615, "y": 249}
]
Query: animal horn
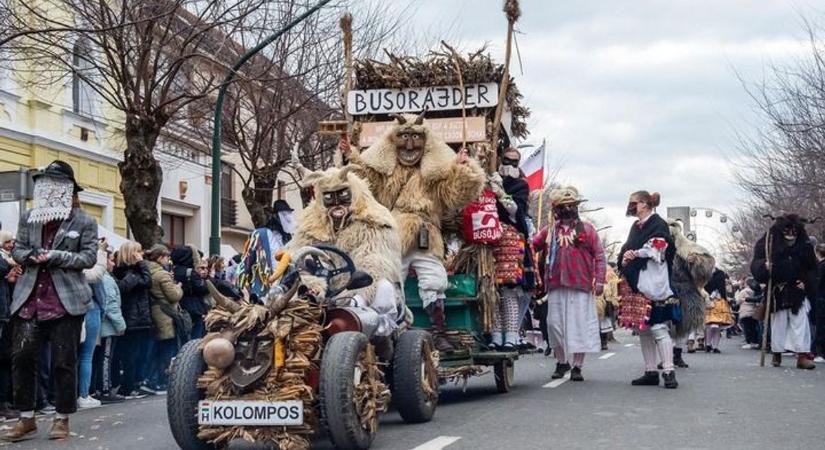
[
  {"x": 221, "y": 299},
  {"x": 399, "y": 118},
  {"x": 344, "y": 171},
  {"x": 769, "y": 216},
  {"x": 420, "y": 119}
]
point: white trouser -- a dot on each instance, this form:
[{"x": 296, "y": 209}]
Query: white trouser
[
  {"x": 432, "y": 276},
  {"x": 385, "y": 303},
  {"x": 791, "y": 332}
]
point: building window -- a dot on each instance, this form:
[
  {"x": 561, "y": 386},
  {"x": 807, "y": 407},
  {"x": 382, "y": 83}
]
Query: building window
[
  {"x": 229, "y": 207},
  {"x": 174, "y": 229},
  {"x": 82, "y": 92}
]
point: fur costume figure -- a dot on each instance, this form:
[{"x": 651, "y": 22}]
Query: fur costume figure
[
  {"x": 363, "y": 228},
  {"x": 420, "y": 179},
  {"x": 692, "y": 268},
  {"x": 784, "y": 258}
]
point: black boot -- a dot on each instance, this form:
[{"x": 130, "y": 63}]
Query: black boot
[
  {"x": 670, "y": 380},
  {"x": 436, "y": 313},
  {"x": 603, "y": 337},
  {"x": 677, "y": 358},
  {"x": 576, "y": 374},
  {"x": 561, "y": 370},
  {"x": 650, "y": 378}
]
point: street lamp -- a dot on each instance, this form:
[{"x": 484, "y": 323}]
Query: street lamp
[{"x": 215, "y": 231}]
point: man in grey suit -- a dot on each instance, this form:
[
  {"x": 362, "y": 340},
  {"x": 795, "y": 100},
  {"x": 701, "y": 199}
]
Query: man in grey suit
[{"x": 56, "y": 240}]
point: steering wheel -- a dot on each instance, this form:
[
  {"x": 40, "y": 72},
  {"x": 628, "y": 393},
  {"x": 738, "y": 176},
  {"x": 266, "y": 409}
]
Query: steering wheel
[{"x": 320, "y": 263}]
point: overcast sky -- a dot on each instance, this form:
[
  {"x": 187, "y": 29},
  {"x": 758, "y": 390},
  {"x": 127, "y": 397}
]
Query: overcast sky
[{"x": 636, "y": 94}]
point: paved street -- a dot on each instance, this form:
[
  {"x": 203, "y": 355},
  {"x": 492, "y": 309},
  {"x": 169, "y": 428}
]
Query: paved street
[{"x": 724, "y": 401}]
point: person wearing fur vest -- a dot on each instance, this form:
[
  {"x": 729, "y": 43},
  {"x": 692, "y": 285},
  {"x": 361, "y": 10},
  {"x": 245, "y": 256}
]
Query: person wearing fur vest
[
  {"x": 344, "y": 214},
  {"x": 419, "y": 178},
  {"x": 576, "y": 274},
  {"x": 784, "y": 256}
]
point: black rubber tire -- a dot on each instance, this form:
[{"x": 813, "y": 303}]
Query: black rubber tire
[
  {"x": 341, "y": 354},
  {"x": 504, "y": 372},
  {"x": 407, "y": 393},
  {"x": 183, "y": 395}
]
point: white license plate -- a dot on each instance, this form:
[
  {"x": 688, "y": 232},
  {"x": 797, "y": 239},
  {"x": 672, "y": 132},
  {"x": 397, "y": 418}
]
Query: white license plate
[{"x": 250, "y": 412}]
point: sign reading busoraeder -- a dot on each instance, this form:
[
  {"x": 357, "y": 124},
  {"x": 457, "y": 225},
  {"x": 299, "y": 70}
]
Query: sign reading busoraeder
[{"x": 414, "y": 100}]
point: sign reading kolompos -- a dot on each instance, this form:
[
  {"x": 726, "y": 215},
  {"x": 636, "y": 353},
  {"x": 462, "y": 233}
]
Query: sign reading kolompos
[{"x": 413, "y": 100}]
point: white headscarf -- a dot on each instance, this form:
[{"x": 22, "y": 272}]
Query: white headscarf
[
  {"x": 287, "y": 221},
  {"x": 52, "y": 199}
]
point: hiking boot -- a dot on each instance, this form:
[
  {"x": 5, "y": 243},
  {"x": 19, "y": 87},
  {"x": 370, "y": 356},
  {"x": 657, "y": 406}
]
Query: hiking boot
[
  {"x": 561, "y": 370},
  {"x": 436, "y": 313},
  {"x": 576, "y": 374},
  {"x": 716, "y": 350},
  {"x": 670, "y": 380},
  {"x": 804, "y": 362},
  {"x": 700, "y": 344},
  {"x": 548, "y": 351},
  {"x": 60, "y": 429},
  {"x": 650, "y": 378},
  {"x": 25, "y": 428},
  {"x": 691, "y": 348},
  {"x": 677, "y": 358},
  {"x": 8, "y": 413},
  {"x": 776, "y": 361}
]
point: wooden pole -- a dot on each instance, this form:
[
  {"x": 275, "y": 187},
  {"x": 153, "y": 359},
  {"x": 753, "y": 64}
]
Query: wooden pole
[
  {"x": 511, "y": 9},
  {"x": 346, "y": 29},
  {"x": 768, "y": 300}
]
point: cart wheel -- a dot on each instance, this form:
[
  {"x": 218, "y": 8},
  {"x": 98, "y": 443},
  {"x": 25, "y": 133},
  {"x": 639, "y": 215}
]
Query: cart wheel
[
  {"x": 415, "y": 377},
  {"x": 504, "y": 371},
  {"x": 183, "y": 397},
  {"x": 342, "y": 369}
]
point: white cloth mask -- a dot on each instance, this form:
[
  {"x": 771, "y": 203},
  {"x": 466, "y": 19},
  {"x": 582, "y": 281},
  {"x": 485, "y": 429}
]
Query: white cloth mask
[{"x": 52, "y": 199}]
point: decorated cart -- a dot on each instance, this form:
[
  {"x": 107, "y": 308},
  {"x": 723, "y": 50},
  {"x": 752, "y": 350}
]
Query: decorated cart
[{"x": 466, "y": 106}]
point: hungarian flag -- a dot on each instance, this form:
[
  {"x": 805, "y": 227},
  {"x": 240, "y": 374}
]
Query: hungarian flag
[{"x": 533, "y": 167}]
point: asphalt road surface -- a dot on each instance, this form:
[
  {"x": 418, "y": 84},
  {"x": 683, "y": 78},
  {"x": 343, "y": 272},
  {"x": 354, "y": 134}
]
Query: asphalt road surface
[{"x": 723, "y": 401}]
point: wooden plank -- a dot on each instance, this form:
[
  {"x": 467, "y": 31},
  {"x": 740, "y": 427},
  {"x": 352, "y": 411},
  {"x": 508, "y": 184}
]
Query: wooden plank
[{"x": 449, "y": 129}]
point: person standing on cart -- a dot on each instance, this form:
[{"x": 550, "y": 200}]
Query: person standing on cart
[
  {"x": 418, "y": 177},
  {"x": 576, "y": 274},
  {"x": 515, "y": 273}
]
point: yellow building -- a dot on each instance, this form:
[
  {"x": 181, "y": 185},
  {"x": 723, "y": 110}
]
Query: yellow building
[{"x": 63, "y": 122}]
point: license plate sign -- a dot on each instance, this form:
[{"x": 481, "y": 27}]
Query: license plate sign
[{"x": 250, "y": 412}]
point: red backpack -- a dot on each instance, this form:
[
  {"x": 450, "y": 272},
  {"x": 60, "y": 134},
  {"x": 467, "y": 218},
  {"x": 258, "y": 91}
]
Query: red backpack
[{"x": 481, "y": 222}]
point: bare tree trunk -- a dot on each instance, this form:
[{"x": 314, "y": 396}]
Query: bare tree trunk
[{"x": 141, "y": 177}]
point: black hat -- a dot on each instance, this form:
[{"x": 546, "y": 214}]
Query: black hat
[
  {"x": 59, "y": 169},
  {"x": 281, "y": 205}
]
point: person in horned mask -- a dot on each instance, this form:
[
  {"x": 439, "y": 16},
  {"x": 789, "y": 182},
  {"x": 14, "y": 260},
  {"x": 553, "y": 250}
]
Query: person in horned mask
[
  {"x": 56, "y": 240},
  {"x": 785, "y": 257}
]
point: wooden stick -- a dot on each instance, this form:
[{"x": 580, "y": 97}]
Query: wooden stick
[
  {"x": 456, "y": 58},
  {"x": 511, "y": 9},
  {"x": 768, "y": 299},
  {"x": 346, "y": 29}
]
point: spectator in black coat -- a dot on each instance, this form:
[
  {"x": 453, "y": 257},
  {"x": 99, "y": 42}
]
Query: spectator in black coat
[
  {"x": 191, "y": 272},
  {"x": 134, "y": 281}
]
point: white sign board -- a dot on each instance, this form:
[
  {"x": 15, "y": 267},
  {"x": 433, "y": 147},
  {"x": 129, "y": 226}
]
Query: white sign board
[
  {"x": 250, "y": 412},
  {"x": 415, "y": 100},
  {"x": 450, "y": 130}
]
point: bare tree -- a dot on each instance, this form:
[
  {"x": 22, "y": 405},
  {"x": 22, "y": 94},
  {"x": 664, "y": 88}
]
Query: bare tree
[
  {"x": 782, "y": 165},
  {"x": 274, "y": 118},
  {"x": 148, "y": 60}
]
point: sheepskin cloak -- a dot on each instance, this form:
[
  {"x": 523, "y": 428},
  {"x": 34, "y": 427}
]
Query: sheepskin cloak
[
  {"x": 419, "y": 195},
  {"x": 692, "y": 268},
  {"x": 370, "y": 237}
]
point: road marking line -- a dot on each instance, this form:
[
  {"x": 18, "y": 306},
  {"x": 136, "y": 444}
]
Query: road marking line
[
  {"x": 628, "y": 345},
  {"x": 437, "y": 443},
  {"x": 606, "y": 355},
  {"x": 556, "y": 383}
]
